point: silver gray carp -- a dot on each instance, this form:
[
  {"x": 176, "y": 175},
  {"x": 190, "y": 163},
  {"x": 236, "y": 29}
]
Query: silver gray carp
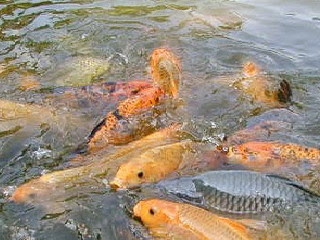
[{"x": 239, "y": 192}]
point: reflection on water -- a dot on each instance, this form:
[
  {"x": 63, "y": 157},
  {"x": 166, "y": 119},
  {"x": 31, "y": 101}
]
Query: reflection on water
[{"x": 49, "y": 44}]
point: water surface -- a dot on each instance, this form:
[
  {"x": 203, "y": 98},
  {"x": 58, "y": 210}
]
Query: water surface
[{"x": 49, "y": 44}]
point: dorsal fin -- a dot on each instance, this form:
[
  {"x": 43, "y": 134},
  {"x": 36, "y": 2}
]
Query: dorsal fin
[
  {"x": 97, "y": 128},
  {"x": 294, "y": 184},
  {"x": 279, "y": 177}
]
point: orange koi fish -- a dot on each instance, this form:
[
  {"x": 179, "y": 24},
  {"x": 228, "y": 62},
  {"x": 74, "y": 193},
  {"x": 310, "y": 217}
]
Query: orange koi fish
[
  {"x": 115, "y": 127},
  {"x": 261, "y": 87},
  {"x": 179, "y": 221},
  {"x": 51, "y": 184},
  {"x": 152, "y": 165},
  {"x": 272, "y": 155}
]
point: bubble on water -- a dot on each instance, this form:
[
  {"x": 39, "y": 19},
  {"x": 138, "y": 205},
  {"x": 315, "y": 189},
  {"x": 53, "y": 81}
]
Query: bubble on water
[
  {"x": 44, "y": 171},
  {"x": 84, "y": 35},
  {"x": 8, "y": 191},
  {"x": 121, "y": 58},
  {"x": 105, "y": 182},
  {"x": 208, "y": 139},
  {"x": 19, "y": 233},
  {"x": 83, "y": 230},
  {"x": 213, "y": 125},
  {"x": 221, "y": 136},
  {"x": 70, "y": 223},
  {"x": 42, "y": 153}
]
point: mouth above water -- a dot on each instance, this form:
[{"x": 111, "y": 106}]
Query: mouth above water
[{"x": 115, "y": 184}]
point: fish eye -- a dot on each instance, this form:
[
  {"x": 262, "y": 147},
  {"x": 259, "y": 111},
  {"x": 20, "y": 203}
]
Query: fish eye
[
  {"x": 151, "y": 211},
  {"x": 140, "y": 174}
]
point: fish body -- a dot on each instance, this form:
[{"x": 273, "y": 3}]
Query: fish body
[
  {"x": 116, "y": 127},
  {"x": 100, "y": 165},
  {"x": 166, "y": 71},
  {"x": 179, "y": 221},
  {"x": 79, "y": 71},
  {"x": 152, "y": 165},
  {"x": 239, "y": 192},
  {"x": 259, "y": 132},
  {"x": 264, "y": 156},
  {"x": 263, "y": 87},
  {"x": 98, "y": 92}
]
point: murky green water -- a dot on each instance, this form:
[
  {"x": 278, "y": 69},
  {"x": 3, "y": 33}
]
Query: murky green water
[{"x": 48, "y": 44}]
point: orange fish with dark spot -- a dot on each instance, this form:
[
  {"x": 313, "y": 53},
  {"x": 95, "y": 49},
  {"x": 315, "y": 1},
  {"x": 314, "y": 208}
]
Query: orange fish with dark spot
[
  {"x": 263, "y": 156},
  {"x": 179, "y": 221},
  {"x": 115, "y": 127}
]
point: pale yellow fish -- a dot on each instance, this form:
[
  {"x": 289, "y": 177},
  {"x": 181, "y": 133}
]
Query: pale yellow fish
[
  {"x": 153, "y": 165},
  {"x": 44, "y": 187}
]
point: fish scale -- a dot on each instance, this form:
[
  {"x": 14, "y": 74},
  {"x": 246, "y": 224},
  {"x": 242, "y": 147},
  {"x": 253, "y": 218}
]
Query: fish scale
[
  {"x": 197, "y": 218},
  {"x": 239, "y": 192}
]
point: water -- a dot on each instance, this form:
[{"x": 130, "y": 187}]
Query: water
[{"x": 44, "y": 45}]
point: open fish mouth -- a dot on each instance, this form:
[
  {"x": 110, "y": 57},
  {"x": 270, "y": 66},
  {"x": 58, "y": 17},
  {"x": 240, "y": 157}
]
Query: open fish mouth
[
  {"x": 137, "y": 211},
  {"x": 116, "y": 183}
]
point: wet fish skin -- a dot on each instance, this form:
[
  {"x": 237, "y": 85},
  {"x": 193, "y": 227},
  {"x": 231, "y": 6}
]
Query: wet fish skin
[
  {"x": 166, "y": 71},
  {"x": 262, "y": 87},
  {"x": 116, "y": 127},
  {"x": 152, "y": 165},
  {"x": 266, "y": 156},
  {"x": 44, "y": 188},
  {"x": 262, "y": 131},
  {"x": 239, "y": 192},
  {"x": 105, "y": 92},
  {"x": 173, "y": 221}
]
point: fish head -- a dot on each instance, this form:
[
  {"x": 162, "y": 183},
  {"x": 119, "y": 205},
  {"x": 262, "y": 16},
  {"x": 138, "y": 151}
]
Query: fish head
[
  {"x": 155, "y": 213},
  {"x": 166, "y": 71},
  {"x": 250, "y": 69},
  {"x": 135, "y": 172},
  {"x": 24, "y": 193}
]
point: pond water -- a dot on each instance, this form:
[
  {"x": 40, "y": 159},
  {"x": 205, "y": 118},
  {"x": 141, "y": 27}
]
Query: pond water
[{"x": 50, "y": 44}]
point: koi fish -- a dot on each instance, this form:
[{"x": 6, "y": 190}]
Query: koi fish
[
  {"x": 261, "y": 87},
  {"x": 55, "y": 183},
  {"x": 262, "y": 156},
  {"x": 116, "y": 127},
  {"x": 177, "y": 221},
  {"x": 152, "y": 165}
]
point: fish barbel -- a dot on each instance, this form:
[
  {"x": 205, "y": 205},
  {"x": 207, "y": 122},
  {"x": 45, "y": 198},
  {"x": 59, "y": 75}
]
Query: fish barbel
[
  {"x": 239, "y": 192},
  {"x": 177, "y": 221}
]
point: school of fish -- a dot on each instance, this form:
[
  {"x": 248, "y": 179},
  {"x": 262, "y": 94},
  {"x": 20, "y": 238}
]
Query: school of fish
[{"x": 144, "y": 156}]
